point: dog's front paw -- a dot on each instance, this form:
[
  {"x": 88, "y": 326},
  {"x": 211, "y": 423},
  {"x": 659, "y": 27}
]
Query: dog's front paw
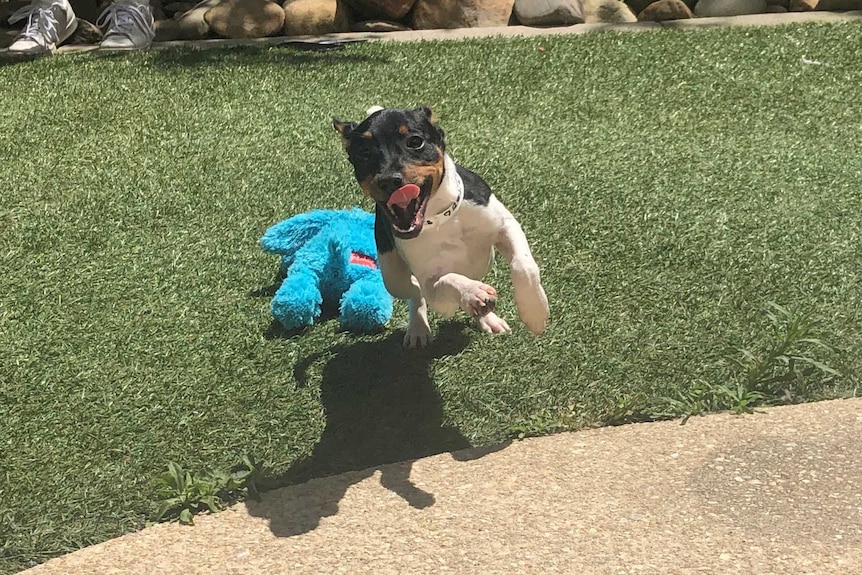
[
  {"x": 492, "y": 323},
  {"x": 418, "y": 335},
  {"x": 533, "y": 308},
  {"x": 529, "y": 295},
  {"x": 479, "y": 299}
]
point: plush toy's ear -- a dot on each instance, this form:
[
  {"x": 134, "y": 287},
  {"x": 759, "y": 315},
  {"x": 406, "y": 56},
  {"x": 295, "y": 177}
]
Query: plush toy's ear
[
  {"x": 344, "y": 129},
  {"x": 291, "y": 234}
]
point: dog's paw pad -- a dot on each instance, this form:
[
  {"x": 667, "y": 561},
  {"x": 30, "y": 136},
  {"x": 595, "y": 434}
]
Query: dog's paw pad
[{"x": 492, "y": 323}]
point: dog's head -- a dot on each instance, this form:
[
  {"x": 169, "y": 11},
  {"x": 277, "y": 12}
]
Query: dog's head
[{"x": 398, "y": 157}]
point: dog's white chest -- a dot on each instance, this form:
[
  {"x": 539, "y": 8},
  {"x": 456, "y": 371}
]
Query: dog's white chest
[{"x": 464, "y": 244}]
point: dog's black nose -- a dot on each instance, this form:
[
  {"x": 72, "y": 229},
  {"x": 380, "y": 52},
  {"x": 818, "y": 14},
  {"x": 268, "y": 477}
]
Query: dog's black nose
[{"x": 390, "y": 182}]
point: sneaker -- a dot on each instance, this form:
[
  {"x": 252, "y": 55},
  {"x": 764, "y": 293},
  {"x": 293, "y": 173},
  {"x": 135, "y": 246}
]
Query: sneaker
[
  {"x": 49, "y": 23},
  {"x": 129, "y": 25}
]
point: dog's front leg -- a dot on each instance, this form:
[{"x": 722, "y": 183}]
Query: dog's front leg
[
  {"x": 529, "y": 295},
  {"x": 402, "y": 285}
]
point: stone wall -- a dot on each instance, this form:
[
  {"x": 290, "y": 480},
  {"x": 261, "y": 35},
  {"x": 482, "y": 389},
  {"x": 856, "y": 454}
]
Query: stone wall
[
  {"x": 258, "y": 18},
  {"x": 177, "y": 20}
]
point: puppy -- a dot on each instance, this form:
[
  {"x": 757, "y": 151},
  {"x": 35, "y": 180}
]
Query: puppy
[{"x": 437, "y": 224}]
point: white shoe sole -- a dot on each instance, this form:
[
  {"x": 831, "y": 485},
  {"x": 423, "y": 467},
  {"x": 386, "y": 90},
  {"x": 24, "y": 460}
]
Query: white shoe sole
[{"x": 38, "y": 50}]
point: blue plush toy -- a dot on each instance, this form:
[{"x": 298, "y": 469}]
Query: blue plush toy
[{"x": 328, "y": 255}]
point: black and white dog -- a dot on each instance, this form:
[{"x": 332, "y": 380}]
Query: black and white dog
[{"x": 437, "y": 224}]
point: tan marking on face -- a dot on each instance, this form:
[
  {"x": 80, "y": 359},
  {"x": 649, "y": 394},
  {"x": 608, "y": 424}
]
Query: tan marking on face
[
  {"x": 418, "y": 173},
  {"x": 403, "y": 130},
  {"x": 340, "y": 128},
  {"x": 366, "y": 186},
  {"x": 366, "y": 135}
]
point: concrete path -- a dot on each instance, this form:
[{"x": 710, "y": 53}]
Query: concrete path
[{"x": 778, "y": 492}]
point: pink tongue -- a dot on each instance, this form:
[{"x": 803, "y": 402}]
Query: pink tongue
[{"x": 403, "y": 195}]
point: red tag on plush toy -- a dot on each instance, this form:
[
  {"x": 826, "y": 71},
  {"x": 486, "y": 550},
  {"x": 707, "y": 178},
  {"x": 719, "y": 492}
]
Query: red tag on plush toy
[
  {"x": 363, "y": 260},
  {"x": 404, "y": 195}
]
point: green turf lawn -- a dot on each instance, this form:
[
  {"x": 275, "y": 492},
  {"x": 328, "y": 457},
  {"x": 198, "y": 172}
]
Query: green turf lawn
[{"x": 671, "y": 185}]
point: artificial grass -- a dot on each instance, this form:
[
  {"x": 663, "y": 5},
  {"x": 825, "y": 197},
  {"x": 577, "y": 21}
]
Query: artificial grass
[{"x": 671, "y": 185}]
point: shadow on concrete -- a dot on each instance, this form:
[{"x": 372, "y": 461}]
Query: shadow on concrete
[{"x": 382, "y": 412}]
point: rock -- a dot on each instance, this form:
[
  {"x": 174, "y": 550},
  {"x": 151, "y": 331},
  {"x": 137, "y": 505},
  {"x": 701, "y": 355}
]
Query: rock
[
  {"x": 802, "y": 5},
  {"x": 839, "y": 5},
  {"x": 378, "y": 26},
  {"x": 315, "y": 17},
  {"x": 665, "y": 10},
  {"x": 383, "y": 9},
  {"x": 436, "y": 14},
  {"x": 193, "y": 24},
  {"x": 607, "y": 12},
  {"x": 549, "y": 12},
  {"x": 166, "y": 31},
  {"x": 638, "y": 6},
  {"x": 85, "y": 33},
  {"x": 708, "y": 8},
  {"x": 245, "y": 18},
  {"x": 775, "y": 9},
  {"x": 190, "y": 26}
]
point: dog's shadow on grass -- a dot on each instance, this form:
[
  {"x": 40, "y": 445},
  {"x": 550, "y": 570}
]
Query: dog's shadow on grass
[{"x": 382, "y": 411}]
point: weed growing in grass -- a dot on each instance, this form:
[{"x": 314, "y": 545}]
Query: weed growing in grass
[
  {"x": 783, "y": 372},
  {"x": 634, "y": 408},
  {"x": 186, "y": 493},
  {"x": 706, "y": 397},
  {"x": 544, "y": 422},
  {"x": 787, "y": 368}
]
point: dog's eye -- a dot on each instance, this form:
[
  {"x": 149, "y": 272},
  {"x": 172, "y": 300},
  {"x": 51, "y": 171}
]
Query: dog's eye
[{"x": 414, "y": 143}]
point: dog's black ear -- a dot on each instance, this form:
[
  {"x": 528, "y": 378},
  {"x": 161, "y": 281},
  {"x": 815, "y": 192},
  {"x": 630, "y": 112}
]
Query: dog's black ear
[
  {"x": 344, "y": 129},
  {"x": 428, "y": 114}
]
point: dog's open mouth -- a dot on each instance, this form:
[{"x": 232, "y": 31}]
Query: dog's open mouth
[{"x": 406, "y": 210}]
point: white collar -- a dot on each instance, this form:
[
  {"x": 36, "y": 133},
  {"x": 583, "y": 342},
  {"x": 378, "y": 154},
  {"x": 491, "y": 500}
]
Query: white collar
[{"x": 449, "y": 211}]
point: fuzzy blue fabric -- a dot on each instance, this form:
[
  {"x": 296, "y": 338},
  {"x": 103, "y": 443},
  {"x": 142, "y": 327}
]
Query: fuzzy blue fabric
[{"x": 327, "y": 255}]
